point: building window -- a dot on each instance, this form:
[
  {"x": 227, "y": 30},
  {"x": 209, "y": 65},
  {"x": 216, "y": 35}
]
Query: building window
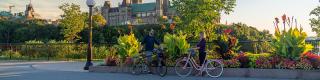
[
  {"x": 143, "y": 14},
  {"x": 138, "y": 14},
  {"x": 149, "y": 13}
]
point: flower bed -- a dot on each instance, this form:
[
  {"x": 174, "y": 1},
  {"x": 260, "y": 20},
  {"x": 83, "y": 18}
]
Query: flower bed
[{"x": 233, "y": 72}]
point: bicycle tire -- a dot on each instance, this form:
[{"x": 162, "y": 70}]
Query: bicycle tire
[
  {"x": 179, "y": 66},
  {"x": 136, "y": 69},
  {"x": 214, "y": 68},
  {"x": 162, "y": 68}
]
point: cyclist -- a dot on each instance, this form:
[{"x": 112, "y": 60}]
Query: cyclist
[
  {"x": 201, "y": 46},
  {"x": 149, "y": 42}
]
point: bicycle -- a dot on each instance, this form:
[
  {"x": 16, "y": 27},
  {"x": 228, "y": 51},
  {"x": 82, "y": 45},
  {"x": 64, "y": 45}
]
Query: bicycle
[
  {"x": 184, "y": 67},
  {"x": 142, "y": 67}
]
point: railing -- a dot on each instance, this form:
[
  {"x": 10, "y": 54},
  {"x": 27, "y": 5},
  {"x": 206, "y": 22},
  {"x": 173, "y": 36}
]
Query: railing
[
  {"x": 58, "y": 51},
  {"x": 71, "y": 51}
]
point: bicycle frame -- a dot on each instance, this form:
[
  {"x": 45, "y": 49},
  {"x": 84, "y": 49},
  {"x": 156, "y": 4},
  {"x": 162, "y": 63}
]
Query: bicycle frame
[{"x": 191, "y": 60}]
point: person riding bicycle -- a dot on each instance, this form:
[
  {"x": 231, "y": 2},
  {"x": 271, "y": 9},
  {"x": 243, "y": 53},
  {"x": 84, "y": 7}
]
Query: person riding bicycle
[
  {"x": 201, "y": 46},
  {"x": 149, "y": 42}
]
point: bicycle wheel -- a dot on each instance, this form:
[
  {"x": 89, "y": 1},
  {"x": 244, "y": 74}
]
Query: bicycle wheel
[
  {"x": 214, "y": 68},
  {"x": 136, "y": 69},
  {"x": 183, "y": 68},
  {"x": 162, "y": 68}
]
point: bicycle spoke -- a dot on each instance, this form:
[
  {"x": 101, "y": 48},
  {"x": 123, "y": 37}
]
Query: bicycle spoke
[
  {"x": 214, "y": 68},
  {"x": 183, "y": 68}
]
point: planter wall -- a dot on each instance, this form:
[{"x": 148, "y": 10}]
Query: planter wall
[{"x": 233, "y": 72}]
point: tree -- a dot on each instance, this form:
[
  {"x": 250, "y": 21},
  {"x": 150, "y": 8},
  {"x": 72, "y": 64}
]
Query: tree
[
  {"x": 202, "y": 15},
  {"x": 315, "y": 22},
  {"x": 7, "y": 30},
  {"x": 73, "y": 21},
  {"x": 99, "y": 20}
]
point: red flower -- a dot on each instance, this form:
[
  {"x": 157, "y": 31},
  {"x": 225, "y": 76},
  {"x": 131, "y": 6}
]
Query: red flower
[
  {"x": 172, "y": 26},
  {"x": 277, "y": 20},
  {"x": 227, "y": 31},
  {"x": 284, "y": 17}
]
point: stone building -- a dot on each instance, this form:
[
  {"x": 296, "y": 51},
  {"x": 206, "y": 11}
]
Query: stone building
[
  {"x": 30, "y": 12},
  {"x": 135, "y": 12}
]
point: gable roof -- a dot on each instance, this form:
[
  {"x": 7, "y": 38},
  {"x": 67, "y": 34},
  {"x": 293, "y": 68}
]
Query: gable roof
[
  {"x": 5, "y": 13},
  {"x": 114, "y": 10},
  {"x": 143, "y": 7}
]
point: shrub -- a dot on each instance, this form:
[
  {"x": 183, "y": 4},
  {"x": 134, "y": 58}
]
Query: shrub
[
  {"x": 233, "y": 63},
  {"x": 253, "y": 58},
  {"x": 313, "y": 58},
  {"x": 111, "y": 57},
  {"x": 290, "y": 44},
  {"x": 128, "y": 46},
  {"x": 226, "y": 44},
  {"x": 304, "y": 64},
  {"x": 11, "y": 53},
  {"x": 100, "y": 52},
  {"x": 176, "y": 45},
  {"x": 244, "y": 60},
  {"x": 34, "y": 48},
  {"x": 263, "y": 62},
  {"x": 66, "y": 50},
  {"x": 288, "y": 64},
  {"x": 275, "y": 61}
]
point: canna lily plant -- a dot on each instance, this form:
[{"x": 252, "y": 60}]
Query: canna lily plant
[
  {"x": 176, "y": 45},
  {"x": 226, "y": 44},
  {"x": 290, "y": 44},
  {"x": 128, "y": 46}
]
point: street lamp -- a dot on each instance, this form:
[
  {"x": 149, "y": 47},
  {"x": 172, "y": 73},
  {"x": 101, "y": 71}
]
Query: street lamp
[{"x": 89, "y": 63}]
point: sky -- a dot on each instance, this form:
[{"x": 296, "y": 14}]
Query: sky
[{"x": 256, "y": 13}]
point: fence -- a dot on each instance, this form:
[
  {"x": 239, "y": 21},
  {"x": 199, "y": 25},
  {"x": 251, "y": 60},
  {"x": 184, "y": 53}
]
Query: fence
[
  {"x": 59, "y": 51},
  {"x": 70, "y": 51}
]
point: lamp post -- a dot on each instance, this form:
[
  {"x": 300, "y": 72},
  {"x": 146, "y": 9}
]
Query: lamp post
[{"x": 89, "y": 63}]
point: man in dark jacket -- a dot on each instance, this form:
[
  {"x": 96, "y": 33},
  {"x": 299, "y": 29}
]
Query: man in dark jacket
[{"x": 149, "y": 42}]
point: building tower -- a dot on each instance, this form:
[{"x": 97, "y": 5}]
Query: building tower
[
  {"x": 105, "y": 10},
  {"x": 29, "y": 13},
  {"x": 126, "y": 3},
  {"x": 136, "y": 1},
  {"x": 166, "y": 4},
  {"x": 159, "y": 7}
]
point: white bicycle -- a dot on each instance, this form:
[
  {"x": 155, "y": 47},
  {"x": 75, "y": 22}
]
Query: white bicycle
[{"x": 184, "y": 67}]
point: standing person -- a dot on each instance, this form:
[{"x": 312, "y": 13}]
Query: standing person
[
  {"x": 149, "y": 42},
  {"x": 201, "y": 46}
]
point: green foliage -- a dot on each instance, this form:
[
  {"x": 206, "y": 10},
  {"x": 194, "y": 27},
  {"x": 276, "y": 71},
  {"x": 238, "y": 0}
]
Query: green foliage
[
  {"x": 201, "y": 15},
  {"x": 233, "y": 63},
  {"x": 304, "y": 64},
  {"x": 315, "y": 21},
  {"x": 290, "y": 44},
  {"x": 34, "y": 48},
  {"x": 176, "y": 45},
  {"x": 111, "y": 57},
  {"x": 10, "y": 53},
  {"x": 226, "y": 45},
  {"x": 128, "y": 46},
  {"x": 100, "y": 52},
  {"x": 244, "y": 32},
  {"x": 66, "y": 50},
  {"x": 254, "y": 57},
  {"x": 99, "y": 20},
  {"x": 73, "y": 21}
]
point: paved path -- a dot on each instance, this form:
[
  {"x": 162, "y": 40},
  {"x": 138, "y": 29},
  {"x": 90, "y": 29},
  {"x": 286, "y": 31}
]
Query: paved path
[{"x": 73, "y": 71}]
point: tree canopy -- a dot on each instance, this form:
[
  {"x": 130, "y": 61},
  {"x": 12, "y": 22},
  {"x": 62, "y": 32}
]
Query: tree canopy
[
  {"x": 315, "y": 21},
  {"x": 202, "y": 15},
  {"x": 73, "y": 21}
]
